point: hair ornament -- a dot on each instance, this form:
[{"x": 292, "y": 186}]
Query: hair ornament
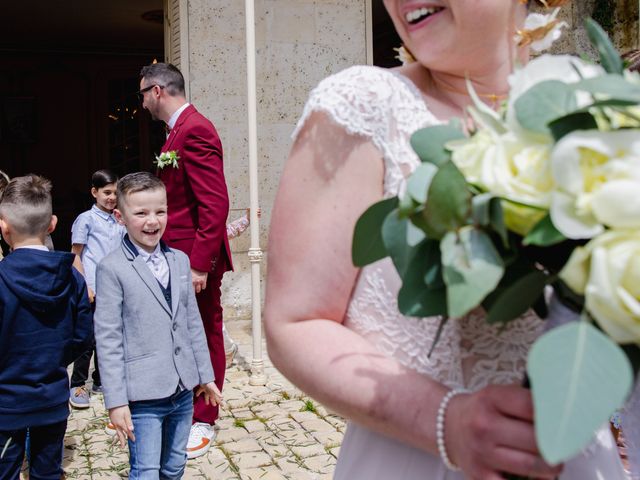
[{"x": 541, "y": 30}]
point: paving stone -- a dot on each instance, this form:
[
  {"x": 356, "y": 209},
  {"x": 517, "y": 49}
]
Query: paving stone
[
  {"x": 246, "y": 445},
  {"x": 318, "y": 425},
  {"x": 310, "y": 450},
  {"x": 219, "y": 471},
  {"x": 293, "y": 405},
  {"x": 254, "y": 426},
  {"x": 239, "y": 403},
  {"x": 328, "y": 438},
  {"x": 242, "y": 413},
  {"x": 321, "y": 463},
  {"x": 289, "y": 464},
  {"x": 262, "y": 474},
  {"x": 252, "y": 460},
  {"x": 303, "y": 416},
  {"x": 232, "y": 434}
]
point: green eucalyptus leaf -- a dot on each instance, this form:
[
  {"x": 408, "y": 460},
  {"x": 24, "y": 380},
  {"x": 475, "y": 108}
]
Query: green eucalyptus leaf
[
  {"x": 486, "y": 210},
  {"x": 407, "y": 205},
  {"x": 396, "y": 231},
  {"x": 481, "y": 209},
  {"x": 415, "y": 299},
  {"x": 579, "y": 377},
  {"x": 609, "y": 56},
  {"x": 414, "y": 235},
  {"x": 429, "y": 143},
  {"x": 449, "y": 202},
  {"x": 514, "y": 300},
  {"x": 419, "y": 181},
  {"x": 574, "y": 121},
  {"x": 367, "y": 246},
  {"x": 611, "y": 85},
  {"x": 544, "y": 233},
  {"x": 543, "y": 103},
  {"x": 472, "y": 268}
]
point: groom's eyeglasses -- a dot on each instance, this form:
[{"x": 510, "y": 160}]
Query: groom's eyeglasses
[{"x": 140, "y": 93}]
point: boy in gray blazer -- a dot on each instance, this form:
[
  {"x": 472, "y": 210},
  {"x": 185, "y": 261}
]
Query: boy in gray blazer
[{"x": 151, "y": 345}]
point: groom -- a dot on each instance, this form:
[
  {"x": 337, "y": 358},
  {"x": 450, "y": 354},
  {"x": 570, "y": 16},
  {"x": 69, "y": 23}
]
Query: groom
[{"x": 198, "y": 206}]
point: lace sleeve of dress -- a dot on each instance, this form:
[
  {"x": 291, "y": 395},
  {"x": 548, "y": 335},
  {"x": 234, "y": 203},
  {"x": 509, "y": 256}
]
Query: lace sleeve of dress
[
  {"x": 378, "y": 104},
  {"x": 353, "y": 98}
]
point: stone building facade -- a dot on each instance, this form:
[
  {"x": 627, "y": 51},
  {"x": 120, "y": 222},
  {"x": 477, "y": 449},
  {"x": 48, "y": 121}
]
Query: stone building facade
[{"x": 299, "y": 42}]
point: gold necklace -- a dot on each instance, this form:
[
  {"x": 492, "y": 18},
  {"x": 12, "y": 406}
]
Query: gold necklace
[{"x": 494, "y": 98}]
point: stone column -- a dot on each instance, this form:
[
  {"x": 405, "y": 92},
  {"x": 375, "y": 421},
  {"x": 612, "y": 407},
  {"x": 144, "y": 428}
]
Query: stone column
[{"x": 299, "y": 42}]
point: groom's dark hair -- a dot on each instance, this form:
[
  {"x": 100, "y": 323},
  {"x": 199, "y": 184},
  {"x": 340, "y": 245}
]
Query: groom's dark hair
[{"x": 165, "y": 75}]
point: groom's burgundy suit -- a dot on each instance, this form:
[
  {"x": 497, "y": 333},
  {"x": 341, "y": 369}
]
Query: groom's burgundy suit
[{"x": 198, "y": 205}]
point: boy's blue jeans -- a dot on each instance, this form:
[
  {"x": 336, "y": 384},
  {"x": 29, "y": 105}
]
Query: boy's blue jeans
[
  {"x": 161, "y": 428},
  {"x": 46, "y": 444}
]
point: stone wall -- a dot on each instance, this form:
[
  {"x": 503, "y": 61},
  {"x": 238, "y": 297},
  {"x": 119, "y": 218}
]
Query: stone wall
[
  {"x": 299, "y": 42},
  {"x": 618, "y": 17}
]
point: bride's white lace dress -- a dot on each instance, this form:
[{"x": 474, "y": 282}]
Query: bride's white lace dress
[{"x": 387, "y": 108}]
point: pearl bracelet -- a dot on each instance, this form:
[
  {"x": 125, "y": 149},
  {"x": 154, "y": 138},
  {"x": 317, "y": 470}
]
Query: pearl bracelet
[{"x": 442, "y": 411}]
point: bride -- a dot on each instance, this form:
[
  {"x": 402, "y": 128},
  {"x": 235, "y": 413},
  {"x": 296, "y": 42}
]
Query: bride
[{"x": 336, "y": 332}]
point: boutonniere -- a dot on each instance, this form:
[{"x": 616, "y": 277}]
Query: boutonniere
[{"x": 169, "y": 158}]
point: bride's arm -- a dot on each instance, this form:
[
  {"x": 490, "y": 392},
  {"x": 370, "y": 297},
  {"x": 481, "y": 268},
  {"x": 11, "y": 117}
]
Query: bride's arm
[{"x": 329, "y": 180}]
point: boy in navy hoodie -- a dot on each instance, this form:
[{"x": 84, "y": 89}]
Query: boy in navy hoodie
[{"x": 45, "y": 321}]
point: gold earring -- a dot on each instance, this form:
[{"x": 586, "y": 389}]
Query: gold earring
[{"x": 404, "y": 55}]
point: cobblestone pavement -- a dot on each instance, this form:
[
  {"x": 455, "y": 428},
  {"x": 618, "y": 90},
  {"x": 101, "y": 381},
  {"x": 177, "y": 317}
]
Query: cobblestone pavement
[{"x": 267, "y": 433}]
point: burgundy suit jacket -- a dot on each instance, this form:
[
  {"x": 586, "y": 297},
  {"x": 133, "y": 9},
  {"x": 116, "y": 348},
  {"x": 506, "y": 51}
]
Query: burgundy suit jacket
[{"x": 198, "y": 203}]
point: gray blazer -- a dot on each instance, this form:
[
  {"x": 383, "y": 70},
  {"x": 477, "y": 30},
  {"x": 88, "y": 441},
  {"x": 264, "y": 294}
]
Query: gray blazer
[{"x": 145, "y": 349}]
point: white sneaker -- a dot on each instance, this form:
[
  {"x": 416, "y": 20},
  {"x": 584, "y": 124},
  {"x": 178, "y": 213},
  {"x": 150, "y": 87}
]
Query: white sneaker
[{"x": 200, "y": 438}]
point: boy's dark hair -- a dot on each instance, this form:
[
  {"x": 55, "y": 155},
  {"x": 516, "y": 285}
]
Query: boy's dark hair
[
  {"x": 102, "y": 178},
  {"x": 137, "y": 182},
  {"x": 166, "y": 75},
  {"x": 26, "y": 205}
]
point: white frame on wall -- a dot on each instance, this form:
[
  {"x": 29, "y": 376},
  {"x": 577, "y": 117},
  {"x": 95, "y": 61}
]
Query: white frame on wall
[{"x": 368, "y": 14}]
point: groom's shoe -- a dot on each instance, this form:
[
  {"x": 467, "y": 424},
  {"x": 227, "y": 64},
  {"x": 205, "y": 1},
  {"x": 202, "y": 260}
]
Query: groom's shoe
[{"x": 200, "y": 438}]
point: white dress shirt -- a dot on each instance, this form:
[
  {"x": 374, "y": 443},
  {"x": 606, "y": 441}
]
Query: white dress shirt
[{"x": 157, "y": 263}]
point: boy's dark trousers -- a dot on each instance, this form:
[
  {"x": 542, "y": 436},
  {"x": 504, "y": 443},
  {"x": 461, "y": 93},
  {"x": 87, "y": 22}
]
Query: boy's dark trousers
[
  {"x": 47, "y": 442},
  {"x": 81, "y": 369},
  {"x": 82, "y": 363}
]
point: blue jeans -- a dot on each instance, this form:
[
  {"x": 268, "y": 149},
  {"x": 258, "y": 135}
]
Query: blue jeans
[
  {"x": 46, "y": 445},
  {"x": 161, "y": 428}
]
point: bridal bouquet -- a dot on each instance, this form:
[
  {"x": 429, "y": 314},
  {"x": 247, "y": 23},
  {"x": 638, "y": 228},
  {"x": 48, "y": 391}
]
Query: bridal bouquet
[{"x": 545, "y": 193}]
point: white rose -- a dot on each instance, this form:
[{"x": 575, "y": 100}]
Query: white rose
[
  {"x": 598, "y": 180},
  {"x": 564, "y": 68},
  {"x": 607, "y": 272},
  {"x": 510, "y": 167}
]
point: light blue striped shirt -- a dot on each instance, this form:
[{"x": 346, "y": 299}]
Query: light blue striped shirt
[{"x": 100, "y": 234}]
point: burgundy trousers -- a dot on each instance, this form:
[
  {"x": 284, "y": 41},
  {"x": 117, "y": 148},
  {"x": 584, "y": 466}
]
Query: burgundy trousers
[{"x": 211, "y": 313}]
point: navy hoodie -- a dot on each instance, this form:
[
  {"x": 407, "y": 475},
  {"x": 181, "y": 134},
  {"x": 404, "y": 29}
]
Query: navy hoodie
[{"x": 45, "y": 323}]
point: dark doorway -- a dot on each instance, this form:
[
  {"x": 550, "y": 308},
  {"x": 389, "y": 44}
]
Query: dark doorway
[
  {"x": 385, "y": 38},
  {"x": 68, "y": 77}
]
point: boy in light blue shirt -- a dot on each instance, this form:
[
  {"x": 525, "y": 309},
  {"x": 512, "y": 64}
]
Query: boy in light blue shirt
[{"x": 94, "y": 234}]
